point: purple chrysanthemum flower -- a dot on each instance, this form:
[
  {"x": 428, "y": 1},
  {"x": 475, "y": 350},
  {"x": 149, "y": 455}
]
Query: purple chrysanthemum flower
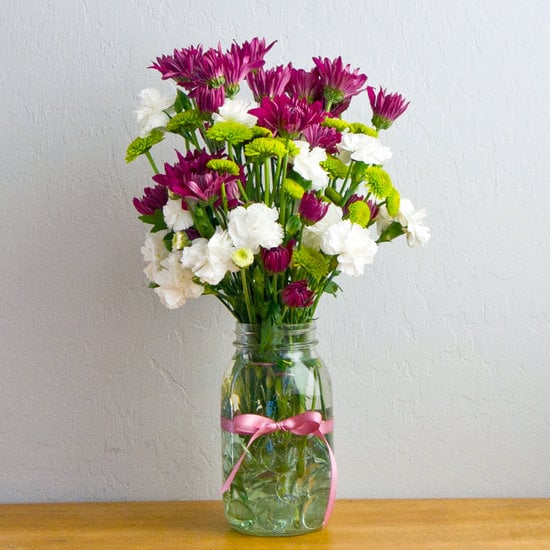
[
  {"x": 386, "y": 108},
  {"x": 319, "y": 136},
  {"x": 374, "y": 208},
  {"x": 305, "y": 84},
  {"x": 340, "y": 83},
  {"x": 181, "y": 66},
  {"x": 288, "y": 116},
  {"x": 192, "y": 233},
  {"x": 269, "y": 83},
  {"x": 297, "y": 294},
  {"x": 240, "y": 60},
  {"x": 311, "y": 208},
  {"x": 255, "y": 50},
  {"x": 235, "y": 68},
  {"x": 208, "y": 100},
  {"x": 277, "y": 259},
  {"x": 153, "y": 199},
  {"x": 209, "y": 71},
  {"x": 193, "y": 181}
]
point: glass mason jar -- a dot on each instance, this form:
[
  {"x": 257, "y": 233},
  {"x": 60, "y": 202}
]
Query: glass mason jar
[{"x": 276, "y": 409}]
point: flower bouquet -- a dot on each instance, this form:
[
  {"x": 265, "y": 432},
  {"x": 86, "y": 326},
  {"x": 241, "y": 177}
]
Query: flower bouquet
[{"x": 271, "y": 195}]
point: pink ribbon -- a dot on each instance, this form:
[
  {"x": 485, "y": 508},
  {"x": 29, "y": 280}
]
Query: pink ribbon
[{"x": 307, "y": 423}]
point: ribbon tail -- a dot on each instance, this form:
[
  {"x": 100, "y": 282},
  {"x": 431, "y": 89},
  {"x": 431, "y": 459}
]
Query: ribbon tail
[{"x": 333, "y": 479}]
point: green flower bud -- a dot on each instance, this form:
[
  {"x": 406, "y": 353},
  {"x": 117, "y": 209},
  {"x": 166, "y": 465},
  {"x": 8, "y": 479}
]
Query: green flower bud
[
  {"x": 334, "y": 196},
  {"x": 180, "y": 240},
  {"x": 293, "y": 225},
  {"x": 242, "y": 257}
]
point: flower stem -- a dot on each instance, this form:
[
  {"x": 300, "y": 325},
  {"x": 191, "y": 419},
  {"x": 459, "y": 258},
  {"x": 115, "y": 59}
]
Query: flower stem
[
  {"x": 267, "y": 173},
  {"x": 247, "y": 300},
  {"x": 151, "y": 162}
]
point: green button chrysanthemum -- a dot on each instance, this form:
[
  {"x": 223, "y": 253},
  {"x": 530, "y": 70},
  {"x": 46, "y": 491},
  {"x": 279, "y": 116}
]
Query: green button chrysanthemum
[
  {"x": 359, "y": 213},
  {"x": 141, "y": 145},
  {"x": 259, "y": 131},
  {"x": 393, "y": 202},
  {"x": 335, "y": 167},
  {"x": 186, "y": 121},
  {"x": 360, "y": 128},
  {"x": 261, "y": 149},
  {"x": 293, "y": 189},
  {"x": 229, "y": 132},
  {"x": 223, "y": 166},
  {"x": 314, "y": 262},
  {"x": 336, "y": 123},
  {"x": 292, "y": 149},
  {"x": 378, "y": 182}
]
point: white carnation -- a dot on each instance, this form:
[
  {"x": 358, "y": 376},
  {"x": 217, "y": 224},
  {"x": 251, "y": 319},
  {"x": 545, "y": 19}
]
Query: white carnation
[
  {"x": 150, "y": 113},
  {"x": 210, "y": 259},
  {"x": 412, "y": 221},
  {"x": 175, "y": 282},
  {"x": 154, "y": 251},
  {"x": 175, "y": 216},
  {"x": 352, "y": 244},
  {"x": 255, "y": 226},
  {"x": 314, "y": 233},
  {"x": 363, "y": 148},
  {"x": 236, "y": 110},
  {"x": 307, "y": 165}
]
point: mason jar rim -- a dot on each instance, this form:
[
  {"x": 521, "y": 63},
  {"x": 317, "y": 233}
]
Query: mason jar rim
[{"x": 302, "y": 334}]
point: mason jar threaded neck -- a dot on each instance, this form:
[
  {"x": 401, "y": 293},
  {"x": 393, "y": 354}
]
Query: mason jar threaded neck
[{"x": 275, "y": 337}]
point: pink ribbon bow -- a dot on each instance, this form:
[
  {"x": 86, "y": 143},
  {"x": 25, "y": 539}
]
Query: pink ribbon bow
[{"x": 307, "y": 423}]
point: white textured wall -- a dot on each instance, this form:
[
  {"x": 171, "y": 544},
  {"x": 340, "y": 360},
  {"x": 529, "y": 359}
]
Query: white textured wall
[{"x": 440, "y": 357}]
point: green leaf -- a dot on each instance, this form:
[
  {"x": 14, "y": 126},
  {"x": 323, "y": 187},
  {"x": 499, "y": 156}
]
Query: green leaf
[
  {"x": 202, "y": 222},
  {"x": 156, "y": 220},
  {"x": 395, "y": 229},
  {"x": 358, "y": 173},
  {"x": 183, "y": 103},
  {"x": 168, "y": 238},
  {"x": 258, "y": 278},
  {"x": 331, "y": 288}
]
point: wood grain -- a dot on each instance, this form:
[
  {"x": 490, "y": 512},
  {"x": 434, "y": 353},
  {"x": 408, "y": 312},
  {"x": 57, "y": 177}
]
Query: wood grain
[{"x": 355, "y": 524}]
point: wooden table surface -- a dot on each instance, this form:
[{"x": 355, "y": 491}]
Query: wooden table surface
[{"x": 355, "y": 524}]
